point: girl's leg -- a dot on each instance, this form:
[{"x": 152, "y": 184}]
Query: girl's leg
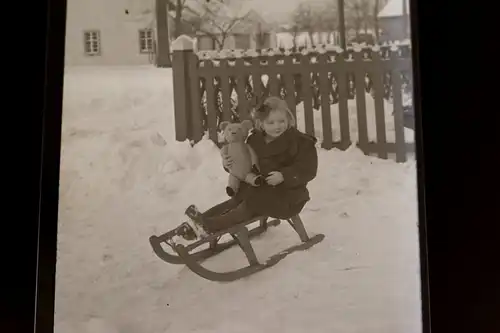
[
  {"x": 238, "y": 214},
  {"x": 221, "y": 208},
  {"x": 227, "y": 212},
  {"x": 200, "y": 226}
]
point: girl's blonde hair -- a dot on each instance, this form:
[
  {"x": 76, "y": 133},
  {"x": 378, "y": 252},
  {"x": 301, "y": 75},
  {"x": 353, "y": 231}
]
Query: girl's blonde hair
[{"x": 270, "y": 104}]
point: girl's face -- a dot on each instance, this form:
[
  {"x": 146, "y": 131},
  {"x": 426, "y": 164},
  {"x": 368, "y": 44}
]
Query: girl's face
[{"x": 276, "y": 123}]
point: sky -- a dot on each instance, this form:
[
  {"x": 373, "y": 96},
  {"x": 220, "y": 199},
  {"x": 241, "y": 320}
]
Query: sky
[{"x": 278, "y": 9}]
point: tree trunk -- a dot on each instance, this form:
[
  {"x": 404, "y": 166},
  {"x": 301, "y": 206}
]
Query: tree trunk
[
  {"x": 294, "y": 34},
  {"x": 375, "y": 21},
  {"x": 406, "y": 18},
  {"x": 178, "y": 18},
  {"x": 311, "y": 38},
  {"x": 357, "y": 27},
  {"x": 342, "y": 32},
  {"x": 222, "y": 40},
  {"x": 163, "y": 42}
]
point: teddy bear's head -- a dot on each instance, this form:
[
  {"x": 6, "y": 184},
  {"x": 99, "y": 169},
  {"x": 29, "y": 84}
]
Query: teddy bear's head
[{"x": 236, "y": 132}]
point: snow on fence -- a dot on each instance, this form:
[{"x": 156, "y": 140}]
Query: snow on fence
[{"x": 213, "y": 86}]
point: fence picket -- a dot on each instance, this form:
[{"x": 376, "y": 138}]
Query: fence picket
[
  {"x": 273, "y": 77},
  {"x": 211, "y": 104},
  {"x": 180, "y": 60},
  {"x": 257, "y": 79},
  {"x": 326, "y": 115},
  {"x": 240, "y": 90},
  {"x": 378, "y": 89},
  {"x": 289, "y": 85},
  {"x": 225, "y": 90},
  {"x": 343, "y": 80},
  {"x": 195, "y": 99},
  {"x": 398, "y": 113},
  {"x": 361, "y": 103},
  {"x": 307, "y": 94}
]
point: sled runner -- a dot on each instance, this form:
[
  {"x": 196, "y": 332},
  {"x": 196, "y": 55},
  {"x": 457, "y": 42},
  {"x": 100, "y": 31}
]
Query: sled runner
[{"x": 241, "y": 236}]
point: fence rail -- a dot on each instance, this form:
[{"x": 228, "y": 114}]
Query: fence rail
[{"x": 210, "y": 87}]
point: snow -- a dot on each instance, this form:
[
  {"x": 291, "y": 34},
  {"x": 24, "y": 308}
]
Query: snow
[
  {"x": 125, "y": 178},
  {"x": 394, "y": 8}
]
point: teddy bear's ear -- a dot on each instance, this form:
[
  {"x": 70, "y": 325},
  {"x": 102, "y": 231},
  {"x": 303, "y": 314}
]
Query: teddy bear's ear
[
  {"x": 223, "y": 125},
  {"x": 247, "y": 125}
]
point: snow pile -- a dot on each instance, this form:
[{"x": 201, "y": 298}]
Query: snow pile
[{"x": 124, "y": 178}]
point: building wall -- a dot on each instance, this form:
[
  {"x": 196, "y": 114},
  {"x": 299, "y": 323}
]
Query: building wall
[
  {"x": 119, "y": 32},
  {"x": 392, "y": 28}
]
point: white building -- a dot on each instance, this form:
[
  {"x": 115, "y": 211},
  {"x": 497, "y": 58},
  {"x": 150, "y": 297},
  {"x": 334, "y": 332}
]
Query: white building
[
  {"x": 110, "y": 32},
  {"x": 393, "y": 20},
  {"x": 123, "y": 32}
]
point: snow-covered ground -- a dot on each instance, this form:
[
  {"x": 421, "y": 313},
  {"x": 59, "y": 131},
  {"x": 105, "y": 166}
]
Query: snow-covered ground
[{"x": 124, "y": 178}]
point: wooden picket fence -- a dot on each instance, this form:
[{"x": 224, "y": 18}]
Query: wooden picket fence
[{"x": 210, "y": 87}]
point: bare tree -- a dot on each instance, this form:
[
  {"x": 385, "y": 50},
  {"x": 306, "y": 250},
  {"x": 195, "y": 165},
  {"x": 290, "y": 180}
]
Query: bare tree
[
  {"x": 327, "y": 20},
  {"x": 295, "y": 33},
  {"x": 163, "y": 43},
  {"x": 376, "y": 9},
  {"x": 354, "y": 16},
  {"x": 179, "y": 7},
  {"x": 360, "y": 15},
  {"x": 305, "y": 18},
  {"x": 213, "y": 18}
]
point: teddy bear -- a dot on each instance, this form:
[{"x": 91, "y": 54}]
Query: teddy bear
[{"x": 244, "y": 160}]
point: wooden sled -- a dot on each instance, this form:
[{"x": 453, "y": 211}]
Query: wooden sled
[{"x": 241, "y": 236}]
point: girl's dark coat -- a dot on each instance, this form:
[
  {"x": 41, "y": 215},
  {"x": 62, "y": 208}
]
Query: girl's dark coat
[{"x": 294, "y": 155}]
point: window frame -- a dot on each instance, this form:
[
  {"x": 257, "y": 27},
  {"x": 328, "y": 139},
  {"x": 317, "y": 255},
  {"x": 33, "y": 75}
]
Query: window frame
[
  {"x": 87, "y": 37},
  {"x": 143, "y": 36}
]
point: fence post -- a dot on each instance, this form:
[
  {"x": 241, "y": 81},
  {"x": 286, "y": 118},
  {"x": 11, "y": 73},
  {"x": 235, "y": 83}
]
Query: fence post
[{"x": 182, "y": 48}]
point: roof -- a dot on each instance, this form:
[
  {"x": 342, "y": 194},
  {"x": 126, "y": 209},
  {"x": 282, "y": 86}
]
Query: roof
[
  {"x": 251, "y": 21},
  {"x": 394, "y": 8}
]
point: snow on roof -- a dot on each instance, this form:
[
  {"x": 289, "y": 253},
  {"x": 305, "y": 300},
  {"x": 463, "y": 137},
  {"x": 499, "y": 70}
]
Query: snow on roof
[{"x": 394, "y": 8}]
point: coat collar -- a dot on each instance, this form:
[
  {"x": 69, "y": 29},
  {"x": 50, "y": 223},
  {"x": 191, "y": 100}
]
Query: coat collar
[{"x": 277, "y": 146}]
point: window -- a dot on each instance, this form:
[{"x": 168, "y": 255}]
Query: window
[
  {"x": 92, "y": 42},
  {"x": 146, "y": 41}
]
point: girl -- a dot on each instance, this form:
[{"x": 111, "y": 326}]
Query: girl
[{"x": 288, "y": 161}]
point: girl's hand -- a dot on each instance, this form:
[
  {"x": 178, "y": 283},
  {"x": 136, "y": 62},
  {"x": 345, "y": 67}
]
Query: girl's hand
[
  {"x": 274, "y": 178},
  {"x": 227, "y": 161}
]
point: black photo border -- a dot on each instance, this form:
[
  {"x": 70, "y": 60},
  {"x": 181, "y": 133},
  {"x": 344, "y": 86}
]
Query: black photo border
[{"x": 458, "y": 206}]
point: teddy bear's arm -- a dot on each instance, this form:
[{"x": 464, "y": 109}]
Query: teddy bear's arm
[
  {"x": 253, "y": 157},
  {"x": 223, "y": 152}
]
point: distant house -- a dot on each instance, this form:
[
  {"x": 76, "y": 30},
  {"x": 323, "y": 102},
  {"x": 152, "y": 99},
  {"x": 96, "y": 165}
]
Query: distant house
[
  {"x": 251, "y": 31},
  {"x": 123, "y": 32},
  {"x": 392, "y": 21},
  {"x": 110, "y": 32}
]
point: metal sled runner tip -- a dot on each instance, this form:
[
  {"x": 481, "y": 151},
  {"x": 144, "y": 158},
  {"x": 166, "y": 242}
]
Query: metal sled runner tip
[{"x": 215, "y": 247}]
